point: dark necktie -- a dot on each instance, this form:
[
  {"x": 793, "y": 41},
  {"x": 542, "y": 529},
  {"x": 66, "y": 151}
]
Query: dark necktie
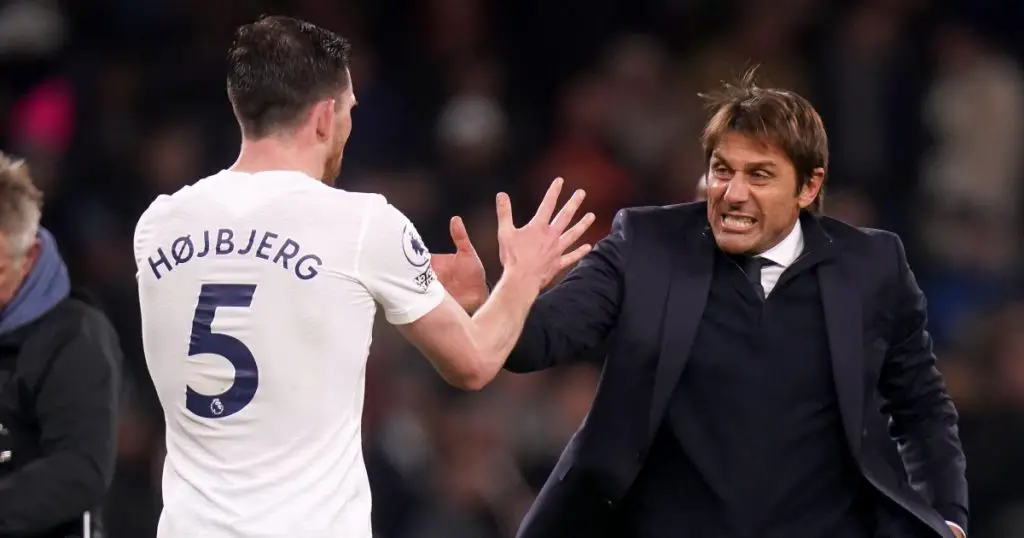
[{"x": 752, "y": 267}]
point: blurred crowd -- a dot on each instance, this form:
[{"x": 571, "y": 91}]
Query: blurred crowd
[{"x": 116, "y": 101}]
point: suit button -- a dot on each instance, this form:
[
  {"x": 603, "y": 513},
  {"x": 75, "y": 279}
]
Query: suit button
[
  {"x": 607, "y": 502},
  {"x": 864, "y": 433}
]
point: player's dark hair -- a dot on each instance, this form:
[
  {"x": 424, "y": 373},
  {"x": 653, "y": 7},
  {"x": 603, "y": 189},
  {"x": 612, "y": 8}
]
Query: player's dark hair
[
  {"x": 278, "y": 67},
  {"x": 774, "y": 116}
]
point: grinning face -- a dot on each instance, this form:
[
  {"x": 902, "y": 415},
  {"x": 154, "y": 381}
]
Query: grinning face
[{"x": 753, "y": 198}]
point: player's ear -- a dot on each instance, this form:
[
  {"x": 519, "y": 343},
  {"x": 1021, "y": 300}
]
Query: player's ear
[{"x": 323, "y": 116}]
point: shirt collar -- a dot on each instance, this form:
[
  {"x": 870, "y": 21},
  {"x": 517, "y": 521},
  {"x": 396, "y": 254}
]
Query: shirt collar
[{"x": 789, "y": 249}]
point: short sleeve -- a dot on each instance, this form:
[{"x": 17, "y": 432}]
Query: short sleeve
[{"x": 394, "y": 265}]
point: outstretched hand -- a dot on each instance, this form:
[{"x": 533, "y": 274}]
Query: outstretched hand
[
  {"x": 537, "y": 250},
  {"x": 462, "y": 273}
]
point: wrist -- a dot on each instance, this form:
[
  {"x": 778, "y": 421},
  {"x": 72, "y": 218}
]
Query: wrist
[{"x": 520, "y": 282}]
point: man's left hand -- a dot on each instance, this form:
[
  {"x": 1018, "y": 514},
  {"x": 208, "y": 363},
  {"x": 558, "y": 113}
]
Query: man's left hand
[
  {"x": 956, "y": 531},
  {"x": 462, "y": 273}
]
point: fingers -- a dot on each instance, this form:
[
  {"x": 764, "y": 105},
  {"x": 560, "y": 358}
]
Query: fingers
[
  {"x": 547, "y": 205},
  {"x": 574, "y": 234},
  {"x": 460, "y": 236},
  {"x": 504, "y": 209},
  {"x": 572, "y": 258},
  {"x": 568, "y": 211}
]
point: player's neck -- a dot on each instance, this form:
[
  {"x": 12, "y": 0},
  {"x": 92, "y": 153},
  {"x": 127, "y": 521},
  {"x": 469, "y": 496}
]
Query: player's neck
[{"x": 274, "y": 155}]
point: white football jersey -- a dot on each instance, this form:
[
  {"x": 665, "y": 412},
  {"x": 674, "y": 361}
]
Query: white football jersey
[{"x": 258, "y": 293}]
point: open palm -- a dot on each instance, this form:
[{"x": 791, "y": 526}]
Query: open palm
[
  {"x": 462, "y": 273},
  {"x": 539, "y": 249}
]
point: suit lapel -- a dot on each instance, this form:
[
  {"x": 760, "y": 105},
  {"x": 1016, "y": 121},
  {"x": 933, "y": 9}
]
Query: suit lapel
[
  {"x": 841, "y": 304},
  {"x": 690, "y": 280}
]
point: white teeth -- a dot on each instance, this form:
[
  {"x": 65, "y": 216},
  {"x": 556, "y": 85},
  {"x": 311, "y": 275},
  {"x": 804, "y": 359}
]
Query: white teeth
[{"x": 739, "y": 222}]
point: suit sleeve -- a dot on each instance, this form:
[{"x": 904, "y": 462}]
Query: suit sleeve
[
  {"x": 576, "y": 315},
  {"x": 924, "y": 420},
  {"x": 77, "y": 410}
]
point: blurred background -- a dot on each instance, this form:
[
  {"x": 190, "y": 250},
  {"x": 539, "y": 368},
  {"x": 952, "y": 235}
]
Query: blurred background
[{"x": 116, "y": 101}]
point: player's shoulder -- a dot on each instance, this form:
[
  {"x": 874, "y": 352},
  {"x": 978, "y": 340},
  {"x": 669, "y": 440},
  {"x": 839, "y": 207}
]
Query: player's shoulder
[
  {"x": 178, "y": 205},
  {"x": 318, "y": 196},
  {"x": 165, "y": 204},
  {"x": 159, "y": 206},
  {"x": 355, "y": 199},
  {"x": 158, "y": 210},
  {"x": 369, "y": 207}
]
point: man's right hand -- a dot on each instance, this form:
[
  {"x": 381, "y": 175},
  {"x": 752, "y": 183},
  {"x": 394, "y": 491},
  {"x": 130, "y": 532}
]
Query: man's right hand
[
  {"x": 469, "y": 352},
  {"x": 536, "y": 252}
]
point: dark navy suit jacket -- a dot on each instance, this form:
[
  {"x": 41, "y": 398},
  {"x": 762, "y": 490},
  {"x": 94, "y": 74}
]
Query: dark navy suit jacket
[{"x": 641, "y": 293}]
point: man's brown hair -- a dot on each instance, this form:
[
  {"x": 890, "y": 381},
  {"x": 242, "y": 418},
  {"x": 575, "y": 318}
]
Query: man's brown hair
[
  {"x": 21, "y": 203},
  {"x": 774, "y": 116},
  {"x": 278, "y": 67}
]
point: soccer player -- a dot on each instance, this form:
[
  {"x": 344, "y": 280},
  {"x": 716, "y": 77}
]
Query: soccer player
[{"x": 258, "y": 288}]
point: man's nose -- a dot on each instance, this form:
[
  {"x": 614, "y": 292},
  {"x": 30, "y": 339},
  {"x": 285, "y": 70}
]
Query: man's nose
[{"x": 738, "y": 191}]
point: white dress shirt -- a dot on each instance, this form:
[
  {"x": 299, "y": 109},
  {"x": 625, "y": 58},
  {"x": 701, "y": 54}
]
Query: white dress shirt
[{"x": 782, "y": 256}]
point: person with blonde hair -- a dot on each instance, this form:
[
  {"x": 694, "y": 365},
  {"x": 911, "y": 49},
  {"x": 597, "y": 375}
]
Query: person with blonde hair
[{"x": 59, "y": 378}]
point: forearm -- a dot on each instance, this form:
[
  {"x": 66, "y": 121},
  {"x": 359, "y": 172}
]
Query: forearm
[
  {"x": 49, "y": 492},
  {"x": 76, "y": 406},
  {"x": 497, "y": 325},
  {"x": 930, "y": 447},
  {"x": 574, "y": 316},
  {"x": 528, "y": 353},
  {"x": 469, "y": 351},
  {"x": 924, "y": 423},
  {"x": 924, "y": 419}
]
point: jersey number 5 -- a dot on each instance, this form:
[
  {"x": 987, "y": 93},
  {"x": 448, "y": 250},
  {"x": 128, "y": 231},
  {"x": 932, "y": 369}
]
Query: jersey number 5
[{"x": 204, "y": 340}]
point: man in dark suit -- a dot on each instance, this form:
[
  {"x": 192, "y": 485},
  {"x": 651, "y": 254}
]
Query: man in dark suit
[{"x": 769, "y": 372}]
